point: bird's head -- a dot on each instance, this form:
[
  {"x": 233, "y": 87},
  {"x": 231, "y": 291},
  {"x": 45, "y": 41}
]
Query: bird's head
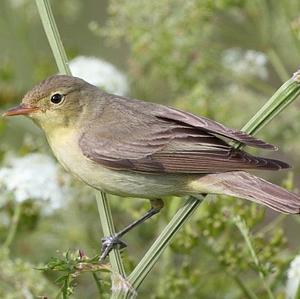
[{"x": 58, "y": 101}]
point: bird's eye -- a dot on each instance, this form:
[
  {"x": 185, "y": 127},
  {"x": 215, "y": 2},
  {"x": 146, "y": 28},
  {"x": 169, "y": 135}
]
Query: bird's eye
[{"x": 56, "y": 98}]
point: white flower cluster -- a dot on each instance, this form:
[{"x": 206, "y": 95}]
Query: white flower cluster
[
  {"x": 99, "y": 73},
  {"x": 34, "y": 176},
  {"x": 249, "y": 62},
  {"x": 293, "y": 278}
]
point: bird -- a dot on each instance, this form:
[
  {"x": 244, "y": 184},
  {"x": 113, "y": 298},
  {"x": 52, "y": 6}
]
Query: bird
[{"x": 135, "y": 148}]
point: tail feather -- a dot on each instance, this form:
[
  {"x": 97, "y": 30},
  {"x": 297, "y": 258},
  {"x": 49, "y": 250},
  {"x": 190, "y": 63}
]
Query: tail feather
[{"x": 244, "y": 185}]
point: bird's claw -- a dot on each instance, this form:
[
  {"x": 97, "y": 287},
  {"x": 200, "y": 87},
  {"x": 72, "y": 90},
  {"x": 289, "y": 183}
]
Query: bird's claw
[{"x": 108, "y": 243}]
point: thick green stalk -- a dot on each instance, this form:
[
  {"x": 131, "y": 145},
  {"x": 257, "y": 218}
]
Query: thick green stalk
[
  {"x": 284, "y": 96},
  {"x": 53, "y": 36},
  {"x": 164, "y": 239},
  {"x": 150, "y": 258},
  {"x": 109, "y": 230}
]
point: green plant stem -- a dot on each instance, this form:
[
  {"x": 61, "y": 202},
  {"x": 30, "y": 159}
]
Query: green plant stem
[
  {"x": 114, "y": 256},
  {"x": 152, "y": 255},
  {"x": 164, "y": 239},
  {"x": 60, "y": 56},
  {"x": 284, "y": 96},
  {"x": 65, "y": 294},
  {"x": 247, "y": 293},
  {"x": 13, "y": 227},
  {"x": 241, "y": 225},
  {"x": 98, "y": 284},
  {"x": 109, "y": 230},
  {"x": 53, "y": 36},
  {"x": 297, "y": 296}
]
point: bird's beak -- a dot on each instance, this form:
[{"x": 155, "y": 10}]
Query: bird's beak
[{"x": 22, "y": 109}]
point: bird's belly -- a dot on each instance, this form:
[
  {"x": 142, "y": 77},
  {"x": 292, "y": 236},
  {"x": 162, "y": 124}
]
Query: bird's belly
[{"x": 66, "y": 149}]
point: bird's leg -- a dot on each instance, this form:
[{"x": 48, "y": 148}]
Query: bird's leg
[{"x": 108, "y": 243}]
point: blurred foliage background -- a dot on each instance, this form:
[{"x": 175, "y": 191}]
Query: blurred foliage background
[{"x": 221, "y": 59}]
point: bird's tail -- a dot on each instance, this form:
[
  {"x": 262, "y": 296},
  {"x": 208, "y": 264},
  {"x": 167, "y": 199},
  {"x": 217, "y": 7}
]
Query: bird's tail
[{"x": 244, "y": 185}]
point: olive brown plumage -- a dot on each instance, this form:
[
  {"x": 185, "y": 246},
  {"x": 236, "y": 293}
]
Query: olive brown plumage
[{"x": 135, "y": 148}]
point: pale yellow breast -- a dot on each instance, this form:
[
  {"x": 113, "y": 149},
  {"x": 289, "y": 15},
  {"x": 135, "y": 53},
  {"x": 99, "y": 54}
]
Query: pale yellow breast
[
  {"x": 64, "y": 143},
  {"x": 65, "y": 146}
]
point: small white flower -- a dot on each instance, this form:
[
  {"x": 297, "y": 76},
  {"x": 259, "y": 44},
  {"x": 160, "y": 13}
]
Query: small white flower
[
  {"x": 100, "y": 73},
  {"x": 34, "y": 176},
  {"x": 249, "y": 62},
  {"x": 293, "y": 278}
]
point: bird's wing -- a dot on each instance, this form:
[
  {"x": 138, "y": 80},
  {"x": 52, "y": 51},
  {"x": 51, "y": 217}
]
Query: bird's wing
[
  {"x": 152, "y": 138},
  {"x": 210, "y": 126}
]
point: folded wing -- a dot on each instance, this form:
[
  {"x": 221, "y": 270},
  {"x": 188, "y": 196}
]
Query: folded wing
[{"x": 147, "y": 137}]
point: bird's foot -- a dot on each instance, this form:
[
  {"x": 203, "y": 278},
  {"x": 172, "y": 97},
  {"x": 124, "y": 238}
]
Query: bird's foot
[{"x": 108, "y": 243}]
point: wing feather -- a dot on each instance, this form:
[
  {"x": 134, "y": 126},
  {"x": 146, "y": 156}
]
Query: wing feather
[
  {"x": 148, "y": 137},
  {"x": 211, "y": 126}
]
